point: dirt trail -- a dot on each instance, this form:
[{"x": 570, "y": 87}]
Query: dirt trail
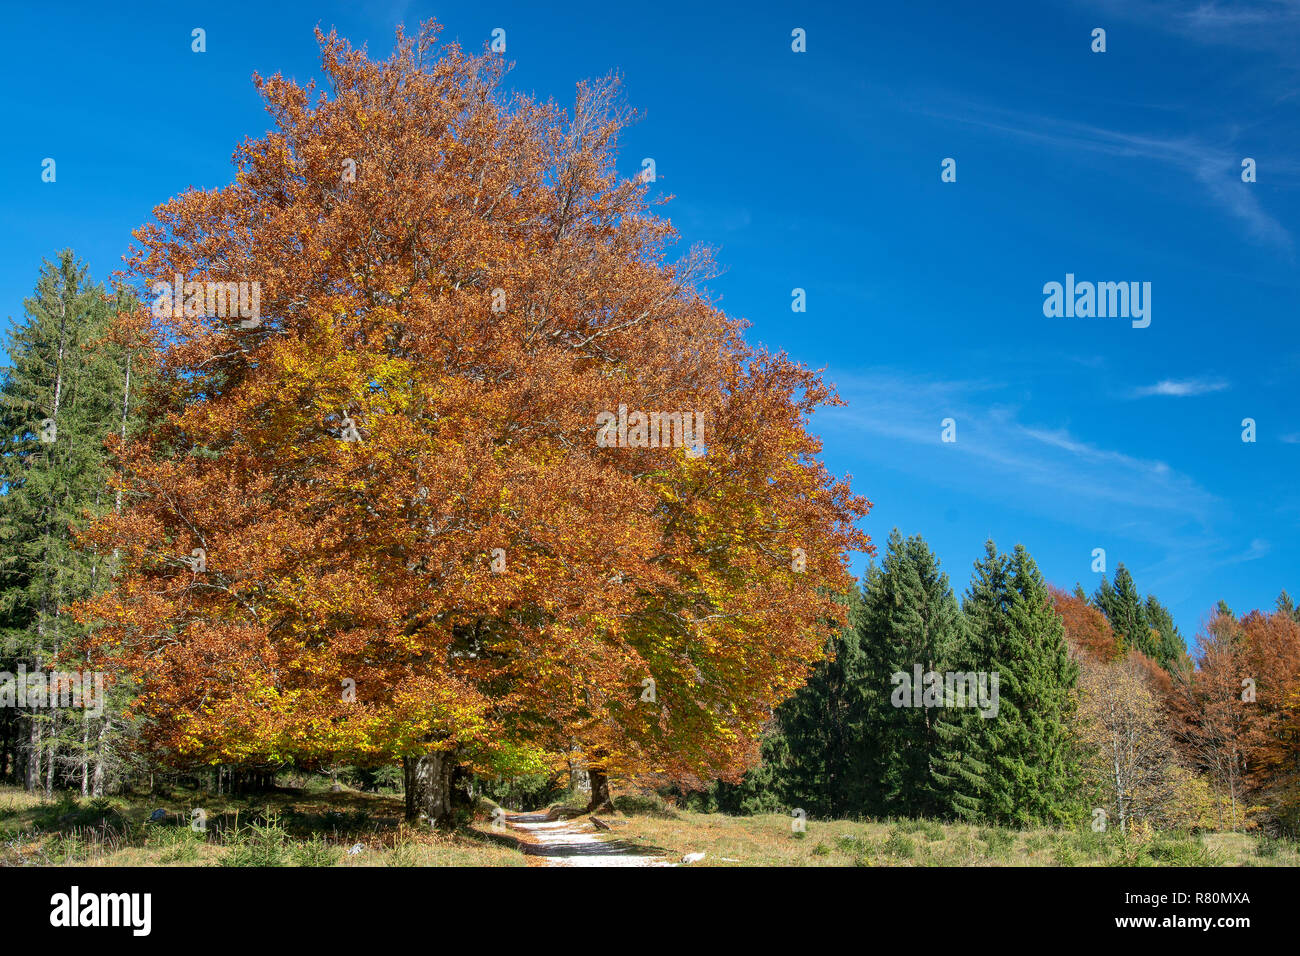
[{"x": 576, "y": 843}]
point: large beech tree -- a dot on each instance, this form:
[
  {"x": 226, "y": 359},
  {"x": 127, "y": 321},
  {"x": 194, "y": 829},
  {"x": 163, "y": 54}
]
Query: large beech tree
[{"x": 454, "y": 284}]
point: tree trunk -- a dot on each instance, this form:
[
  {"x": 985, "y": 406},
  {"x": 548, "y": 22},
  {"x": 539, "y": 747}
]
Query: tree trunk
[
  {"x": 33, "y": 779},
  {"x": 434, "y": 788},
  {"x": 126, "y": 411},
  {"x": 97, "y": 779},
  {"x": 1119, "y": 796},
  {"x": 599, "y": 790},
  {"x": 54, "y": 751},
  {"x": 85, "y": 757},
  {"x": 579, "y": 780}
]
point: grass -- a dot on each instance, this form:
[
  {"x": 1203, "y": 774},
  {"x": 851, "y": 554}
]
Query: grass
[
  {"x": 315, "y": 827},
  {"x": 285, "y": 827},
  {"x": 768, "y": 840}
]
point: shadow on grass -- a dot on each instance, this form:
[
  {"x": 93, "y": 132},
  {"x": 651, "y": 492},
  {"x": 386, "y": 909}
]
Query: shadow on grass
[{"x": 301, "y": 813}]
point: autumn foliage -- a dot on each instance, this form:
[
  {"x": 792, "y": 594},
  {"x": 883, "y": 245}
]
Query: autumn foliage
[
  {"x": 1272, "y": 656},
  {"x": 1086, "y": 629},
  {"x": 437, "y": 336}
]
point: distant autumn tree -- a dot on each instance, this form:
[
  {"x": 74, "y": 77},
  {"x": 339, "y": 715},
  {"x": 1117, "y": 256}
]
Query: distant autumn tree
[
  {"x": 1086, "y": 629},
  {"x": 373, "y": 517},
  {"x": 1128, "y": 755},
  {"x": 1212, "y": 712},
  {"x": 1271, "y": 661}
]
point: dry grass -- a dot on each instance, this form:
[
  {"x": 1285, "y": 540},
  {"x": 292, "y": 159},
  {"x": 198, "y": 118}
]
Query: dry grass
[
  {"x": 768, "y": 840},
  {"x": 316, "y": 828}
]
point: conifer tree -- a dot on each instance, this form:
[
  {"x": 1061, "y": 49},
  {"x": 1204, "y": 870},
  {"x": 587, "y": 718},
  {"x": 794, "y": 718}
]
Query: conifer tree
[
  {"x": 1170, "y": 649},
  {"x": 911, "y": 619},
  {"x": 61, "y": 395},
  {"x": 1029, "y": 769},
  {"x": 1123, "y": 608},
  {"x": 840, "y": 747},
  {"x": 1104, "y": 598},
  {"x": 1287, "y": 606}
]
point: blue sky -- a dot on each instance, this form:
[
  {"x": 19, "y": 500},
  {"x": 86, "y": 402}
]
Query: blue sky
[{"x": 821, "y": 170}]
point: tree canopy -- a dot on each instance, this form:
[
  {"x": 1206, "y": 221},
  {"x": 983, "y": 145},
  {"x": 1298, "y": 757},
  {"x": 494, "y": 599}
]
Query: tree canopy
[{"x": 375, "y": 520}]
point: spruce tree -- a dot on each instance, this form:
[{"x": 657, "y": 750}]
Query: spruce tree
[
  {"x": 1170, "y": 650},
  {"x": 911, "y": 619},
  {"x": 1030, "y": 773},
  {"x": 1287, "y": 606},
  {"x": 61, "y": 395},
  {"x": 1103, "y": 599},
  {"x": 1123, "y": 608}
]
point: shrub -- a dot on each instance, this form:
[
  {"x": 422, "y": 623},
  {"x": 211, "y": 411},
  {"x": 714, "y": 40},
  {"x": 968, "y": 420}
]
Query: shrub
[
  {"x": 1063, "y": 854},
  {"x": 997, "y": 839},
  {"x": 899, "y": 845},
  {"x": 1267, "y": 847},
  {"x": 1175, "y": 852},
  {"x": 314, "y": 852},
  {"x": 259, "y": 844},
  {"x": 403, "y": 854},
  {"x": 852, "y": 844}
]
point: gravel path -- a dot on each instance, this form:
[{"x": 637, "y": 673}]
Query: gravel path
[{"x": 576, "y": 843}]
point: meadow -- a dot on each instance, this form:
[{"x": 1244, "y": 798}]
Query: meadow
[{"x": 315, "y": 826}]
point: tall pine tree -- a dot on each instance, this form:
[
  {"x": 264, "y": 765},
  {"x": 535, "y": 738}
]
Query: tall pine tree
[
  {"x": 1145, "y": 626},
  {"x": 1123, "y": 608},
  {"x": 1170, "y": 649},
  {"x": 1287, "y": 606},
  {"x": 1030, "y": 774},
  {"x": 910, "y": 619},
  {"x": 61, "y": 395}
]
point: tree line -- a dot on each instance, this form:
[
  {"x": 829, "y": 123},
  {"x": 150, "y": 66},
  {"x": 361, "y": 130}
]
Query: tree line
[
  {"x": 1099, "y": 704},
  {"x": 1104, "y": 718}
]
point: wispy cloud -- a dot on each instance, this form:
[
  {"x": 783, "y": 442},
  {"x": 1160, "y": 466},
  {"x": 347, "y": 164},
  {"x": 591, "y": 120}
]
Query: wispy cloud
[
  {"x": 1004, "y": 458},
  {"x": 1216, "y": 168},
  {"x": 1184, "y": 388},
  {"x": 1262, "y": 25},
  {"x": 1258, "y": 548},
  {"x": 1045, "y": 470}
]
